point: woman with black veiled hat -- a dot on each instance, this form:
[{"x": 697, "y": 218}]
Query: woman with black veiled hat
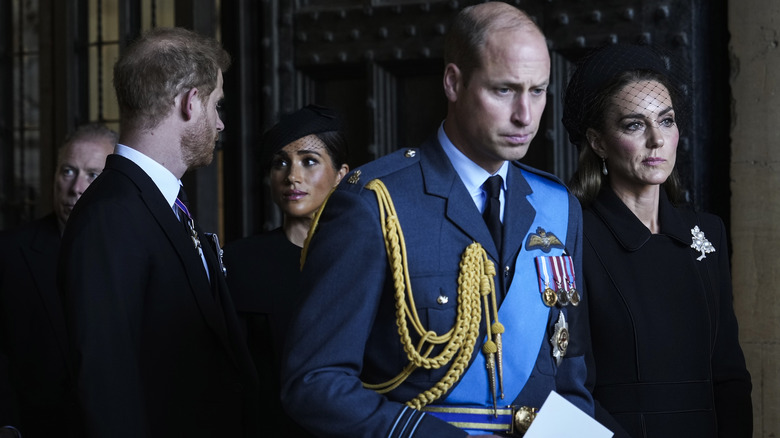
[
  {"x": 305, "y": 155},
  {"x": 666, "y": 355}
]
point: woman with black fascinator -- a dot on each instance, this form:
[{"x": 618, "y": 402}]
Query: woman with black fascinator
[
  {"x": 666, "y": 355},
  {"x": 305, "y": 155}
]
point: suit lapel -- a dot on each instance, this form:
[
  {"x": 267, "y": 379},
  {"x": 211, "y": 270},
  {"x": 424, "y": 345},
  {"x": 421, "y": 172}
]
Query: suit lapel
[
  {"x": 441, "y": 180},
  {"x": 218, "y": 290},
  {"x": 188, "y": 255},
  {"x": 518, "y": 212},
  {"x": 234, "y": 340}
]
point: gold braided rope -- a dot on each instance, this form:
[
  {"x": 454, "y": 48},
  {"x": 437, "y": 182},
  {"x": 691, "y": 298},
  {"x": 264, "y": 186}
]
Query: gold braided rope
[{"x": 475, "y": 283}]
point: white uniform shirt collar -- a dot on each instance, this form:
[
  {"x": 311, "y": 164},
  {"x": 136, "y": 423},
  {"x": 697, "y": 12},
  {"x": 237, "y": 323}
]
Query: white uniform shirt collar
[{"x": 472, "y": 175}]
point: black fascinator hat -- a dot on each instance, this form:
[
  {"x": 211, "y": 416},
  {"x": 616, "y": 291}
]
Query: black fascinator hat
[
  {"x": 311, "y": 119},
  {"x": 599, "y": 69}
]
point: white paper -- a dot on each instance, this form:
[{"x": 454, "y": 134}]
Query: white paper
[{"x": 559, "y": 418}]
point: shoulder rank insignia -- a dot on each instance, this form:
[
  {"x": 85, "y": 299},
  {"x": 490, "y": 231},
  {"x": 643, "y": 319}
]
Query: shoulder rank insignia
[
  {"x": 355, "y": 177},
  {"x": 542, "y": 240},
  {"x": 700, "y": 243}
]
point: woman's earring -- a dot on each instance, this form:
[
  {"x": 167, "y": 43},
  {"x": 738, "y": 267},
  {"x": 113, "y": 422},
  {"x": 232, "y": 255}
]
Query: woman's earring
[{"x": 604, "y": 167}]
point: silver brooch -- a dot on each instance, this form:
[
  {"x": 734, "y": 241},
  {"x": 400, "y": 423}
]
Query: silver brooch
[{"x": 700, "y": 243}]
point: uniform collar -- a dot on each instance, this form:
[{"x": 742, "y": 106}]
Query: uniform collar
[
  {"x": 629, "y": 230},
  {"x": 472, "y": 175}
]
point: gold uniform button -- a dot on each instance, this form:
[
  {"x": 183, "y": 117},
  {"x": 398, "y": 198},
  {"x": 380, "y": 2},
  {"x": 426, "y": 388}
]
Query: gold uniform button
[{"x": 523, "y": 418}]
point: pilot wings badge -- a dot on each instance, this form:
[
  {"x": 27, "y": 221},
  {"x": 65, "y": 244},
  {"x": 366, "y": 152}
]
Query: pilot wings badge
[{"x": 542, "y": 240}]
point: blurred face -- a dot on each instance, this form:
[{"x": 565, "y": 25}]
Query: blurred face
[
  {"x": 302, "y": 175},
  {"x": 199, "y": 142},
  {"x": 495, "y": 116},
  {"x": 640, "y": 136},
  {"x": 78, "y": 164}
]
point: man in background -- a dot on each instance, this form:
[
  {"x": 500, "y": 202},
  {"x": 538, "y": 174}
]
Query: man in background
[{"x": 33, "y": 349}]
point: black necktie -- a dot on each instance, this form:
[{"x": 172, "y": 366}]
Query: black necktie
[{"x": 492, "y": 213}]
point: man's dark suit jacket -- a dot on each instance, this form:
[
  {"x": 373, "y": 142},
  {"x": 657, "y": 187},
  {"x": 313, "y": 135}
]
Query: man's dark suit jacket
[
  {"x": 33, "y": 366},
  {"x": 157, "y": 351}
]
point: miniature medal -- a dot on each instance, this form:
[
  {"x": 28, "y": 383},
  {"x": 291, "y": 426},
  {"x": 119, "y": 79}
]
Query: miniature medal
[
  {"x": 194, "y": 236},
  {"x": 548, "y": 295},
  {"x": 560, "y": 285},
  {"x": 563, "y": 294},
  {"x": 220, "y": 253},
  {"x": 187, "y": 218},
  {"x": 574, "y": 296}
]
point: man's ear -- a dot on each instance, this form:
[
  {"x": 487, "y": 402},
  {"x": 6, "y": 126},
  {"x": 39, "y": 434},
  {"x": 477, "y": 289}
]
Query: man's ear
[
  {"x": 189, "y": 99},
  {"x": 452, "y": 81}
]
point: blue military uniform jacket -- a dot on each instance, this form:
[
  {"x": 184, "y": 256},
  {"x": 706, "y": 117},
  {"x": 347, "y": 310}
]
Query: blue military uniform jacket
[{"x": 346, "y": 333}]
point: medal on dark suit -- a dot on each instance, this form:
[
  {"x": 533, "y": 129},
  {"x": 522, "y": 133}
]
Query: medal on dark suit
[{"x": 186, "y": 218}]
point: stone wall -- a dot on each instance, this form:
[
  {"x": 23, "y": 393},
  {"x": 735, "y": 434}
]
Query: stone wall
[{"x": 755, "y": 201}]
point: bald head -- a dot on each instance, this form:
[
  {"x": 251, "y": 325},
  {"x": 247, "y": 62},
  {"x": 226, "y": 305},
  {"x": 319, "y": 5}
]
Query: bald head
[{"x": 468, "y": 34}]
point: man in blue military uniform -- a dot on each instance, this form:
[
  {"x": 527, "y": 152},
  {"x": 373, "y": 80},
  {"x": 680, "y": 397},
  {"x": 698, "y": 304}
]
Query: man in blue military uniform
[{"x": 406, "y": 328}]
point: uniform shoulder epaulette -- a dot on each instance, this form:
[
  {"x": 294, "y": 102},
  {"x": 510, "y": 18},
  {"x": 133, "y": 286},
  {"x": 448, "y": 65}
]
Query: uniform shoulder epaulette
[{"x": 383, "y": 166}]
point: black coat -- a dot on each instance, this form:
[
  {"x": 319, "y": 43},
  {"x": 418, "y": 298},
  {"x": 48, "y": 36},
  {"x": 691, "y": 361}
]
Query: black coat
[
  {"x": 667, "y": 357},
  {"x": 34, "y": 379},
  {"x": 156, "y": 347},
  {"x": 263, "y": 275}
]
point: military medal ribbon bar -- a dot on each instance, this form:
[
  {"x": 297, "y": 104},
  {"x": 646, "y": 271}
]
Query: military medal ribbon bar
[{"x": 560, "y": 271}]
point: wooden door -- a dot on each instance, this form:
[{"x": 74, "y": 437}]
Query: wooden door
[{"x": 379, "y": 62}]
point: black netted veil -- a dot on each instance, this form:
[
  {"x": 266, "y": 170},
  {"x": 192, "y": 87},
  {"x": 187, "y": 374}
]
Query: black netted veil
[{"x": 598, "y": 69}]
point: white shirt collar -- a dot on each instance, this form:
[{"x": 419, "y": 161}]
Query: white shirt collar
[
  {"x": 163, "y": 178},
  {"x": 472, "y": 175}
]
